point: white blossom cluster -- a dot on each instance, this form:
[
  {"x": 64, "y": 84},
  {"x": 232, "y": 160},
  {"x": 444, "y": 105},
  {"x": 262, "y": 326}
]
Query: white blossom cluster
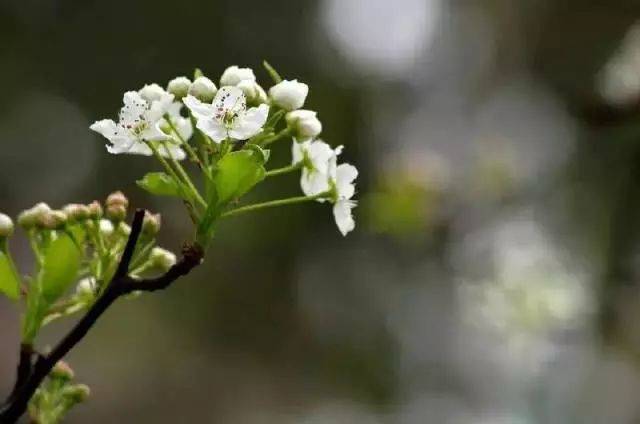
[{"x": 151, "y": 121}]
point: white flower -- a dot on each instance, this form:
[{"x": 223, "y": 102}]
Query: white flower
[
  {"x": 86, "y": 286},
  {"x": 317, "y": 160},
  {"x": 289, "y": 95},
  {"x": 203, "y": 89},
  {"x": 345, "y": 175},
  {"x": 233, "y": 75},
  {"x": 179, "y": 87},
  {"x": 254, "y": 93},
  {"x": 228, "y": 116},
  {"x": 6, "y": 226},
  {"x": 304, "y": 123},
  {"x": 321, "y": 174},
  {"x": 139, "y": 122}
]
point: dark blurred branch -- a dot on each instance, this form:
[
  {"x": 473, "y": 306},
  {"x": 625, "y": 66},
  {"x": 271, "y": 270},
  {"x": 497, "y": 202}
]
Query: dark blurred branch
[
  {"x": 30, "y": 378},
  {"x": 25, "y": 363}
]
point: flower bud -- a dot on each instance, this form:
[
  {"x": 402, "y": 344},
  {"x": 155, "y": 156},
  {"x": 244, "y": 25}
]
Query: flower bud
[
  {"x": 86, "y": 286},
  {"x": 52, "y": 220},
  {"x": 6, "y": 226},
  {"x": 116, "y": 206},
  {"x": 151, "y": 224},
  {"x": 76, "y": 212},
  {"x": 77, "y": 393},
  {"x": 162, "y": 258},
  {"x": 254, "y": 93},
  {"x": 62, "y": 371},
  {"x": 233, "y": 75},
  {"x": 152, "y": 92},
  {"x": 289, "y": 95},
  {"x": 117, "y": 198},
  {"x": 30, "y": 217},
  {"x": 304, "y": 124},
  {"x": 179, "y": 87},
  {"x": 203, "y": 89},
  {"x": 95, "y": 210},
  {"x": 106, "y": 227}
]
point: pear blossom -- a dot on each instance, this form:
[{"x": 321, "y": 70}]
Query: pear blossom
[
  {"x": 289, "y": 95},
  {"x": 233, "y": 75},
  {"x": 342, "y": 179},
  {"x": 317, "y": 158},
  {"x": 228, "y": 116},
  {"x": 304, "y": 124},
  {"x": 203, "y": 89},
  {"x": 139, "y": 122},
  {"x": 321, "y": 173}
]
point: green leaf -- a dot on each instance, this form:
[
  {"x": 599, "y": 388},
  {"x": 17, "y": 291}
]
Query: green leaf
[
  {"x": 160, "y": 184},
  {"x": 237, "y": 173},
  {"x": 275, "y": 76},
  {"x": 9, "y": 281},
  {"x": 60, "y": 267},
  {"x": 197, "y": 73}
]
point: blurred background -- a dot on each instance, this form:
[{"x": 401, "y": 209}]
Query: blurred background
[{"x": 493, "y": 274}]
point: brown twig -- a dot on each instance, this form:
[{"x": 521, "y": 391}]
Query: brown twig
[{"x": 120, "y": 285}]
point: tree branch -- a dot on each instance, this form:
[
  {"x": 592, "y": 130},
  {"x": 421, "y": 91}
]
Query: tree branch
[{"x": 120, "y": 284}]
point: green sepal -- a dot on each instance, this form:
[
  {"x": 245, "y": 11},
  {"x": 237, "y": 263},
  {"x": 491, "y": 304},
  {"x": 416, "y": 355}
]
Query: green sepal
[{"x": 275, "y": 76}]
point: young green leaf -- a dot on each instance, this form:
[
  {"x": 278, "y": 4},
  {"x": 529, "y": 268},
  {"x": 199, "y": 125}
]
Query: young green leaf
[
  {"x": 160, "y": 184},
  {"x": 9, "y": 281},
  {"x": 237, "y": 173},
  {"x": 60, "y": 267}
]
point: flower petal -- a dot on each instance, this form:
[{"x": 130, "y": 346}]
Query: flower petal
[
  {"x": 230, "y": 100},
  {"x": 213, "y": 128},
  {"x": 250, "y": 123},
  {"x": 134, "y": 108},
  {"x": 106, "y": 127},
  {"x": 313, "y": 182},
  {"x": 198, "y": 109},
  {"x": 343, "y": 216},
  {"x": 345, "y": 175},
  {"x": 297, "y": 150},
  {"x": 171, "y": 151}
]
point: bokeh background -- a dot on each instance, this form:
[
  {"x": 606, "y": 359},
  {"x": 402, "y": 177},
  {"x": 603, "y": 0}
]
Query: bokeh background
[{"x": 493, "y": 274}]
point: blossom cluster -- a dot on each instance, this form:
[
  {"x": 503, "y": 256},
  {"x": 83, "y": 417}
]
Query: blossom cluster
[{"x": 239, "y": 115}]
